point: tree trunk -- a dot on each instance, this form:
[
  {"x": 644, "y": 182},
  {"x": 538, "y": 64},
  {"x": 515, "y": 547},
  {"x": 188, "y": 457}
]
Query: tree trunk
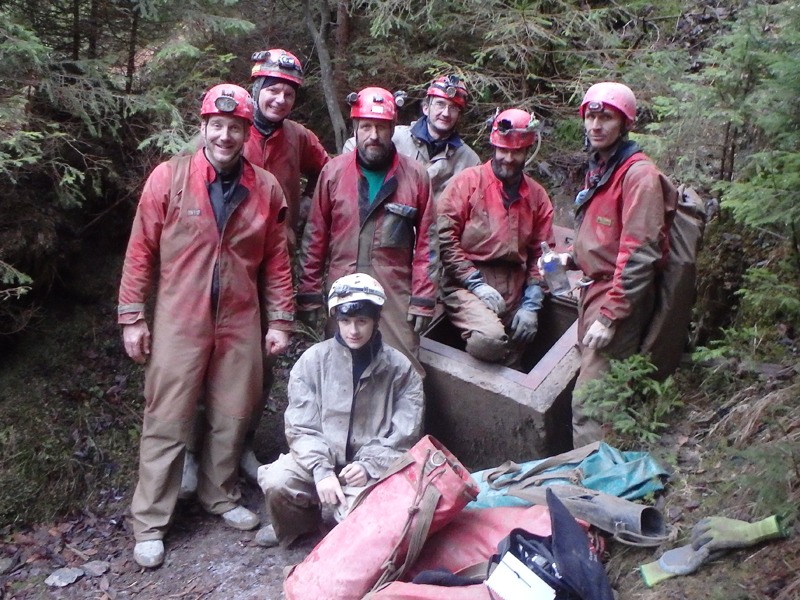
[
  {"x": 132, "y": 42},
  {"x": 342, "y": 43},
  {"x": 76, "y": 29},
  {"x": 326, "y": 67},
  {"x": 94, "y": 29}
]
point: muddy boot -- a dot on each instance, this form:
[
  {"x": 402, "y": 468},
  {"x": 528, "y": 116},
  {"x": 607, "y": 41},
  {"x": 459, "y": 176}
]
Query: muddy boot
[
  {"x": 189, "y": 478},
  {"x": 248, "y": 464},
  {"x": 149, "y": 553}
]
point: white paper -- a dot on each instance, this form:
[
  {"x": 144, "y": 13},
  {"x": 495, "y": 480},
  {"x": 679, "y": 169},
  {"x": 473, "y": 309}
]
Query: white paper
[{"x": 512, "y": 580}]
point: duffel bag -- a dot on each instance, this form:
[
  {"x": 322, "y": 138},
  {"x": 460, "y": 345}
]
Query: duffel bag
[
  {"x": 400, "y": 590},
  {"x": 382, "y": 536}
]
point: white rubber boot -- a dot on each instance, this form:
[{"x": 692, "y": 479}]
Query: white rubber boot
[
  {"x": 241, "y": 518},
  {"x": 266, "y": 537},
  {"x": 189, "y": 479},
  {"x": 149, "y": 553},
  {"x": 248, "y": 464}
]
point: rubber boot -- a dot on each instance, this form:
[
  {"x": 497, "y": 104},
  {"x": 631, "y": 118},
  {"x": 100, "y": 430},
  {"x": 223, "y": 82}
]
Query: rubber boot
[
  {"x": 189, "y": 478},
  {"x": 630, "y": 523},
  {"x": 248, "y": 463}
]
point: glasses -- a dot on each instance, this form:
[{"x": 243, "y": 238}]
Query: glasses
[
  {"x": 444, "y": 106},
  {"x": 226, "y": 104},
  {"x": 284, "y": 61}
]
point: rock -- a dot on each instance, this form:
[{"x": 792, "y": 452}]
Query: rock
[
  {"x": 64, "y": 577},
  {"x": 95, "y": 568},
  {"x": 8, "y": 563}
]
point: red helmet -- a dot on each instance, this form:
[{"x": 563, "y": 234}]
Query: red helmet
[
  {"x": 277, "y": 63},
  {"x": 615, "y": 95},
  {"x": 513, "y": 129},
  {"x": 372, "y": 103},
  {"x": 227, "y": 99},
  {"x": 450, "y": 87}
]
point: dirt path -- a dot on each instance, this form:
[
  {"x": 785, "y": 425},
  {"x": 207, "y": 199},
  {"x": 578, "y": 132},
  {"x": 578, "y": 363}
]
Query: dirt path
[{"x": 205, "y": 559}]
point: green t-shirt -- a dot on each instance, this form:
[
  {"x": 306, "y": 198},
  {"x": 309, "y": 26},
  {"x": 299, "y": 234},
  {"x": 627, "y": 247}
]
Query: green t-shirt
[{"x": 375, "y": 180}]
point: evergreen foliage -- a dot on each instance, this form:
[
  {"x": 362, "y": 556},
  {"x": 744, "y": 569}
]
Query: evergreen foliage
[
  {"x": 633, "y": 404},
  {"x": 80, "y": 101}
]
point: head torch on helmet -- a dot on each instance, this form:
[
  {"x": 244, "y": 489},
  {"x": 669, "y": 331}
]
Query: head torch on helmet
[
  {"x": 450, "y": 87},
  {"x": 277, "y": 62},
  {"x": 225, "y": 103},
  {"x": 284, "y": 61},
  {"x": 513, "y": 129},
  {"x": 227, "y": 99},
  {"x": 610, "y": 95},
  {"x": 375, "y": 103},
  {"x": 344, "y": 290},
  {"x": 354, "y": 288}
]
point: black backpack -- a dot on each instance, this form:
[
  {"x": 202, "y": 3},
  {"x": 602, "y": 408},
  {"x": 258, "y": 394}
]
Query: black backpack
[{"x": 563, "y": 560}]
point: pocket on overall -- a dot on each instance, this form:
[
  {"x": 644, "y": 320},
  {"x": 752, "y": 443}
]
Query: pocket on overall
[{"x": 397, "y": 228}]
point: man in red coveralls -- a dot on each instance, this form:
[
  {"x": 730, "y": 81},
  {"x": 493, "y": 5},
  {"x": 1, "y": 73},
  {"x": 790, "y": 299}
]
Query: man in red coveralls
[
  {"x": 623, "y": 217},
  {"x": 289, "y": 151},
  {"x": 210, "y": 232},
  {"x": 283, "y": 147},
  {"x": 372, "y": 213},
  {"x": 492, "y": 220}
]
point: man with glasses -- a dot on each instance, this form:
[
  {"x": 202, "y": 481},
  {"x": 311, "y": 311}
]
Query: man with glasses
[{"x": 433, "y": 139}]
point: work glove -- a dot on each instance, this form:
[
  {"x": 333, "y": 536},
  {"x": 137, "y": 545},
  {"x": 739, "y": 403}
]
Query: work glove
[
  {"x": 598, "y": 336},
  {"x": 524, "y": 325},
  {"x": 419, "y": 322},
  {"x": 711, "y": 537},
  {"x": 678, "y": 561},
  {"x": 490, "y": 297},
  {"x": 721, "y": 533}
]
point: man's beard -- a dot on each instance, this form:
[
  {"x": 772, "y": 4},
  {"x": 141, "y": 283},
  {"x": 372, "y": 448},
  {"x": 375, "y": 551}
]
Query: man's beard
[
  {"x": 376, "y": 155},
  {"x": 507, "y": 173}
]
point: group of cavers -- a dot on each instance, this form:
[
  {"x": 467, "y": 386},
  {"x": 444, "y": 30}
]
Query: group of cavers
[{"x": 407, "y": 221}]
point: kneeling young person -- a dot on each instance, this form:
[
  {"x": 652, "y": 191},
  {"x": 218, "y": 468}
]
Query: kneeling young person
[{"x": 355, "y": 406}]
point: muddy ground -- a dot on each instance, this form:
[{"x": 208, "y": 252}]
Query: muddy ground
[{"x": 735, "y": 456}]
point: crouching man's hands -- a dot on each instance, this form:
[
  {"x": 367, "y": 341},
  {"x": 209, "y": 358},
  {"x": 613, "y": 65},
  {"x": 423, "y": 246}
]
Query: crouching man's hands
[
  {"x": 354, "y": 474},
  {"x": 329, "y": 491},
  {"x": 524, "y": 325}
]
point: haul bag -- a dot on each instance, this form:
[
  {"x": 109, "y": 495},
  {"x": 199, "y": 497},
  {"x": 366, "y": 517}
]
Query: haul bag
[
  {"x": 422, "y": 492},
  {"x": 472, "y": 537},
  {"x": 400, "y": 590}
]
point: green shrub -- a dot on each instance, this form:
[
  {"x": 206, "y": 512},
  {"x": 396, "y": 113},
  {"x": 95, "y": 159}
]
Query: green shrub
[{"x": 629, "y": 401}]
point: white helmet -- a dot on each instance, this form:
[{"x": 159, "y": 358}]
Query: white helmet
[{"x": 357, "y": 288}]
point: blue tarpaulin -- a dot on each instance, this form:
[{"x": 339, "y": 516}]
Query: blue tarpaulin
[{"x": 628, "y": 475}]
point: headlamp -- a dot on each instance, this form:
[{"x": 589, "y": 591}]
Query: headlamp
[
  {"x": 284, "y": 61},
  {"x": 594, "y": 107},
  {"x": 504, "y": 126},
  {"x": 344, "y": 290},
  {"x": 226, "y": 104}
]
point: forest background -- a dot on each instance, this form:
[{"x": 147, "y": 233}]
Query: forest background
[{"x": 95, "y": 93}]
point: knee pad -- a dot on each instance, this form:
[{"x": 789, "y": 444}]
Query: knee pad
[{"x": 489, "y": 349}]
